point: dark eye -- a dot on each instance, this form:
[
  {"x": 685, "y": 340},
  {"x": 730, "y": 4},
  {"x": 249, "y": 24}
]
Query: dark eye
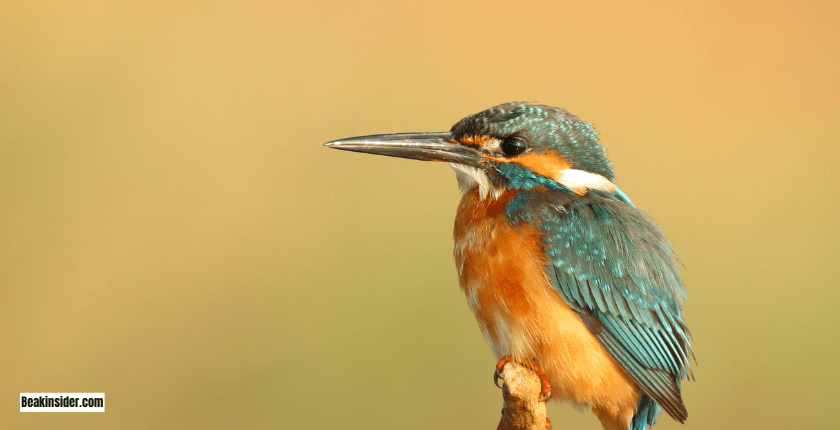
[{"x": 514, "y": 146}]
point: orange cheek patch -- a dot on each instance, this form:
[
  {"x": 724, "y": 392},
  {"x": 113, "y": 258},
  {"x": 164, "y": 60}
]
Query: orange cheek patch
[{"x": 543, "y": 164}]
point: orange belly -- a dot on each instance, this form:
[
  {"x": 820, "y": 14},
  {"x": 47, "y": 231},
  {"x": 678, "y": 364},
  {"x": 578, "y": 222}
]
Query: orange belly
[{"x": 501, "y": 271}]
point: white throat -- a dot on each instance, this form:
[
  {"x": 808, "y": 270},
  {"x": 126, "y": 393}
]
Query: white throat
[{"x": 470, "y": 177}]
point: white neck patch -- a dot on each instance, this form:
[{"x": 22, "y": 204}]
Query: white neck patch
[{"x": 579, "y": 181}]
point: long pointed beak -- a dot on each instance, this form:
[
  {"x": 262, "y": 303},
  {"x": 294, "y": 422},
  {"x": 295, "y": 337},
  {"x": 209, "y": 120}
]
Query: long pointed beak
[{"x": 431, "y": 146}]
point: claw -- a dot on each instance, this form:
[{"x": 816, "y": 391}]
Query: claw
[
  {"x": 546, "y": 395},
  {"x": 545, "y": 385},
  {"x": 497, "y": 374}
]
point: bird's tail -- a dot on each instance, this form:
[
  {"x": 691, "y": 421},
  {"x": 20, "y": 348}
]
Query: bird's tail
[{"x": 647, "y": 414}]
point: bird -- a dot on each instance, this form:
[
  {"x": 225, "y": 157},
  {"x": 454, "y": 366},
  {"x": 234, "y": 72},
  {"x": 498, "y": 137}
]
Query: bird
[{"x": 563, "y": 273}]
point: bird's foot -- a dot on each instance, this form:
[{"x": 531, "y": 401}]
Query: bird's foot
[{"x": 545, "y": 390}]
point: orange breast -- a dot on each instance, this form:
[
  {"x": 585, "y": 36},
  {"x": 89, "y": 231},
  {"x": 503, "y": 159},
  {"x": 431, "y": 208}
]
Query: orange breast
[{"x": 501, "y": 271}]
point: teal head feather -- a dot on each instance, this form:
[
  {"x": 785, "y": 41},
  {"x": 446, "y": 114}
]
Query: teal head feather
[{"x": 544, "y": 128}]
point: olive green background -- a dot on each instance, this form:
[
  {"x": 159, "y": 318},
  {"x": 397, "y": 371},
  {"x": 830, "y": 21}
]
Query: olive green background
[{"x": 172, "y": 232}]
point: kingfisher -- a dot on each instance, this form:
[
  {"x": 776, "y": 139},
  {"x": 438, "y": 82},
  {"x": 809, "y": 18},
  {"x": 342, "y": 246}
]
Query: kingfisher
[{"x": 563, "y": 273}]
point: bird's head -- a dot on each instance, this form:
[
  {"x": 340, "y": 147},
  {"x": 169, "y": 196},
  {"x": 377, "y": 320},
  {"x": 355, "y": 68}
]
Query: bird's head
[{"x": 513, "y": 146}]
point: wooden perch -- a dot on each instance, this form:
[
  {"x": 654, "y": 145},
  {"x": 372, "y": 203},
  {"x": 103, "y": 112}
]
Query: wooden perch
[{"x": 523, "y": 409}]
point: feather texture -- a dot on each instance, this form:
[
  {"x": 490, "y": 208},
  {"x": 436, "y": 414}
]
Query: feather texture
[{"x": 616, "y": 269}]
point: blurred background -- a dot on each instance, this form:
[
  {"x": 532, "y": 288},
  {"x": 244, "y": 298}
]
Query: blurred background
[{"x": 175, "y": 235}]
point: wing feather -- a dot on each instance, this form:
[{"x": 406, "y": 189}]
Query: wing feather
[{"x": 617, "y": 271}]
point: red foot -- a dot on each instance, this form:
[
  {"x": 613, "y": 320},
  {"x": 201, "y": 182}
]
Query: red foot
[{"x": 546, "y": 386}]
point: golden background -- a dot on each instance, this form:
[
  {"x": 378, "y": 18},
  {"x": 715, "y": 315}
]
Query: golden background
[{"x": 174, "y": 234}]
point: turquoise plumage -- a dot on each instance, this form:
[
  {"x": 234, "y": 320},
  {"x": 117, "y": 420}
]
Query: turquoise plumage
[
  {"x": 559, "y": 267},
  {"x": 616, "y": 269}
]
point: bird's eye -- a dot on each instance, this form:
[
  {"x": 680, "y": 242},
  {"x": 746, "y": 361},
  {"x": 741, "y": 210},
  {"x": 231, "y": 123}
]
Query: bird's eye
[{"x": 514, "y": 146}]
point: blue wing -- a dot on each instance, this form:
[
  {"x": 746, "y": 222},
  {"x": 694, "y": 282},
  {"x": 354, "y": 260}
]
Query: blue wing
[{"x": 617, "y": 271}]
